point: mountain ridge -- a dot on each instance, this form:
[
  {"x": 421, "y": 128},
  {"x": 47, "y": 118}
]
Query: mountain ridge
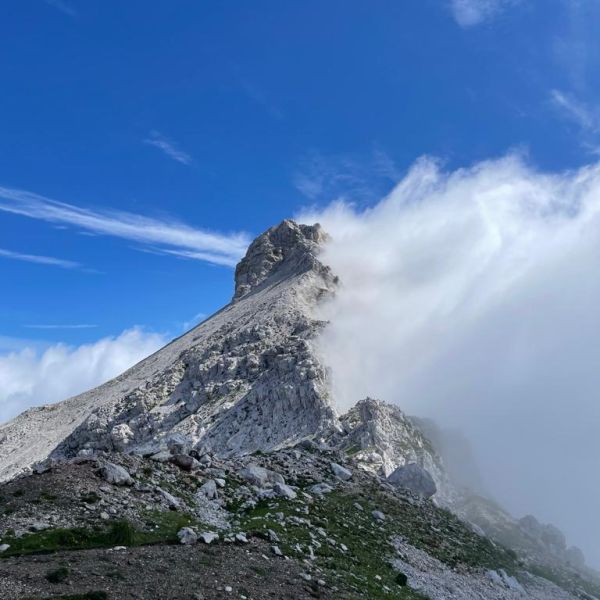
[{"x": 247, "y": 390}]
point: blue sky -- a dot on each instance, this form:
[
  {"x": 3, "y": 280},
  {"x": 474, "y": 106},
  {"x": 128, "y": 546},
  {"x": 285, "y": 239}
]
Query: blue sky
[{"x": 144, "y": 143}]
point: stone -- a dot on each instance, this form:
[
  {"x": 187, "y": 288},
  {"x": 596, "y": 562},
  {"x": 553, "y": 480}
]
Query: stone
[
  {"x": 161, "y": 457},
  {"x": 4, "y": 547},
  {"x": 260, "y": 477},
  {"x": 415, "y": 479},
  {"x": 185, "y": 462},
  {"x": 241, "y": 538},
  {"x": 173, "y": 503},
  {"x": 209, "y": 490},
  {"x": 341, "y": 472},
  {"x": 39, "y": 526},
  {"x": 320, "y": 488},
  {"x": 276, "y": 551},
  {"x": 285, "y": 491},
  {"x": 378, "y": 515},
  {"x": 187, "y": 536},
  {"x": 220, "y": 482},
  {"x": 121, "y": 435},
  {"x": 208, "y": 537},
  {"x": 116, "y": 474}
]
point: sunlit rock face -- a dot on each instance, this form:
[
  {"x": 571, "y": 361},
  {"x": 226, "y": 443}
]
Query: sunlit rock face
[{"x": 246, "y": 379}]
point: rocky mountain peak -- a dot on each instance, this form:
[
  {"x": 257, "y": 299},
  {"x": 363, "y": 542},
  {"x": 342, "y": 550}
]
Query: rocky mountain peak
[{"x": 282, "y": 250}]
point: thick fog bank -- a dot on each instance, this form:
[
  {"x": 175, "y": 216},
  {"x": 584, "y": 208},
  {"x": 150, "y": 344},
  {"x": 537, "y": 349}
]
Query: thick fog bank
[{"x": 473, "y": 297}]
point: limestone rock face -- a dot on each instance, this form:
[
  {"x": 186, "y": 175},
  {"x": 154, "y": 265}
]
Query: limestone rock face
[
  {"x": 246, "y": 379},
  {"x": 382, "y": 438},
  {"x": 278, "y": 253}
]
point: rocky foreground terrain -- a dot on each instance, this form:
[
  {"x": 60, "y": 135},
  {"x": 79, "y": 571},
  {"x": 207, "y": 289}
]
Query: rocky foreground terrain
[{"x": 220, "y": 468}]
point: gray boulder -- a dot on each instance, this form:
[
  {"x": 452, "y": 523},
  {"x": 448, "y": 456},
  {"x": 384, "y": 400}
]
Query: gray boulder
[
  {"x": 209, "y": 489},
  {"x": 320, "y": 488},
  {"x": 187, "y": 536},
  {"x": 116, "y": 474},
  {"x": 415, "y": 479},
  {"x": 260, "y": 477},
  {"x": 185, "y": 462},
  {"x": 285, "y": 491},
  {"x": 341, "y": 472}
]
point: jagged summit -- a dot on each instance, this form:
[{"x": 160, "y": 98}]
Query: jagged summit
[
  {"x": 245, "y": 379},
  {"x": 282, "y": 250}
]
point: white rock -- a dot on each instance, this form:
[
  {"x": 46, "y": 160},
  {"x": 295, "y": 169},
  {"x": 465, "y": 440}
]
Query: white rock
[
  {"x": 208, "y": 537},
  {"x": 173, "y": 502},
  {"x": 341, "y": 472},
  {"x": 241, "y": 538},
  {"x": 260, "y": 477},
  {"x": 187, "y": 536},
  {"x": 209, "y": 490},
  {"x": 285, "y": 491},
  {"x": 378, "y": 515},
  {"x": 276, "y": 551},
  {"x": 320, "y": 488},
  {"x": 4, "y": 547},
  {"x": 116, "y": 474}
]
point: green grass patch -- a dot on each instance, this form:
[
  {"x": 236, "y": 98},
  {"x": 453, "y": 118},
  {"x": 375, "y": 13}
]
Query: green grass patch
[
  {"x": 365, "y": 567},
  {"x": 162, "y": 527}
]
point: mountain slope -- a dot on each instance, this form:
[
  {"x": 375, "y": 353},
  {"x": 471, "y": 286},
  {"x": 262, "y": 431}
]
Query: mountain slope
[{"x": 250, "y": 363}]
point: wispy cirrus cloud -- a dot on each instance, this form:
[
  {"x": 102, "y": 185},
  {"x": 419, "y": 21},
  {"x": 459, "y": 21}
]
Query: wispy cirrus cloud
[
  {"x": 358, "y": 178},
  {"x": 585, "y": 117},
  {"x": 42, "y": 260},
  {"x": 468, "y": 13},
  {"x": 63, "y": 7},
  {"x": 168, "y": 147},
  {"x": 163, "y": 236}
]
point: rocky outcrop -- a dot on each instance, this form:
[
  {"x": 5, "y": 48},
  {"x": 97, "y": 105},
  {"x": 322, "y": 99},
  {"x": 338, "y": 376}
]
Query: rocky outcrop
[
  {"x": 246, "y": 379},
  {"x": 415, "y": 479},
  {"x": 381, "y": 438}
]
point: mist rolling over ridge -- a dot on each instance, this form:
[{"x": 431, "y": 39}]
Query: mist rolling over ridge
[{"x": 471, "y": 297}]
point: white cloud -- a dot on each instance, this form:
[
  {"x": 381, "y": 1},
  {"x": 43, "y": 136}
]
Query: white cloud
[
  {"x": 42, "y": 260},
  {"x": 166, "y": 236},
  {"x": 30, "y": 376},
  {"x": 472, "y": 297},
  {"x": 468, "y": 13},
  {"x": 169, "y": 147}
]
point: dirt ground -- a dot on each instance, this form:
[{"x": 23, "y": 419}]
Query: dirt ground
[{"x": 166, "y": 572}]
